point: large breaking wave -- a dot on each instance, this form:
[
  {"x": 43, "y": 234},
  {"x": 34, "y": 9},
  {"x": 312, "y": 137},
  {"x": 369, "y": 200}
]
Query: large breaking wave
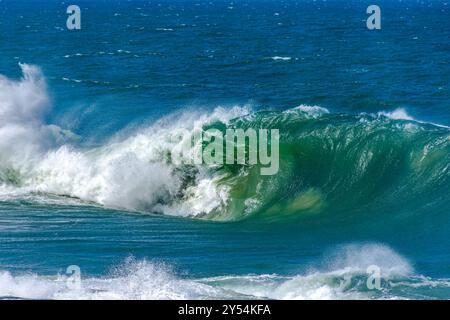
[{"x": 329, "y": 163}]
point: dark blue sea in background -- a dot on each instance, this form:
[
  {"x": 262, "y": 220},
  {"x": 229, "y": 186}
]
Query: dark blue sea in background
[{"x": 86, "y": 118}]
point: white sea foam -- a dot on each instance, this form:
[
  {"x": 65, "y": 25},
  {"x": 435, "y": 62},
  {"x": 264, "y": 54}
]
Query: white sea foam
[
  {"x": 278, "y": 58},
  {"x": 23, "y": 106},
  {"x": 343, "y": 277},
  {"x": 133, "y": 281},
  {"x": 402, "y": 114},
  {"x": 312, "y": 111},
  {"x": 397, "y": 114},
  {"x": 358, "y": 257},
  {"x": 130, "y": 172}
]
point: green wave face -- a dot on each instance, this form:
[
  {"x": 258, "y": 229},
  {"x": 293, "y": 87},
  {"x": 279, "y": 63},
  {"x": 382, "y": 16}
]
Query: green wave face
[{"x": 331, "y": 164}]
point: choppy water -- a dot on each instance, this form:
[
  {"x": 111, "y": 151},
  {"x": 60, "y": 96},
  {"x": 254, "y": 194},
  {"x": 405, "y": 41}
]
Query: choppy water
[{"x": 86, "y": 121}]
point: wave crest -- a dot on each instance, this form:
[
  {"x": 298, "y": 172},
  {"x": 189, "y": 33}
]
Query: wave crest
[{"x": 328, "y": 162}]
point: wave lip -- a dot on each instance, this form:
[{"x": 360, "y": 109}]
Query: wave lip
[
  {"x": 397, "y": 114},
  {"x": 402, "y": 114}
]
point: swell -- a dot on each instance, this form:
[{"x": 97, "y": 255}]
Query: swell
[{"x": 329, "y": 163}]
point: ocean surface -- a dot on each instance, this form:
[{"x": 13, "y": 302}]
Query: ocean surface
[{"x": 87, "y": 116}]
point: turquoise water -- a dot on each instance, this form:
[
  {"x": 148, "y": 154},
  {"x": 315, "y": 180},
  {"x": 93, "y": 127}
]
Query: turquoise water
[{"x": 86, "y": 120}]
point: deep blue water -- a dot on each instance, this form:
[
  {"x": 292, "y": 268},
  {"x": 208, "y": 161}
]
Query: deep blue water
[{"x": 87, "y": 190}]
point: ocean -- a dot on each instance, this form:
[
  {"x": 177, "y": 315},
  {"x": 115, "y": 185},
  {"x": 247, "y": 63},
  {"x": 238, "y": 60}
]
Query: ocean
[{"x": 91, "y": 207}]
